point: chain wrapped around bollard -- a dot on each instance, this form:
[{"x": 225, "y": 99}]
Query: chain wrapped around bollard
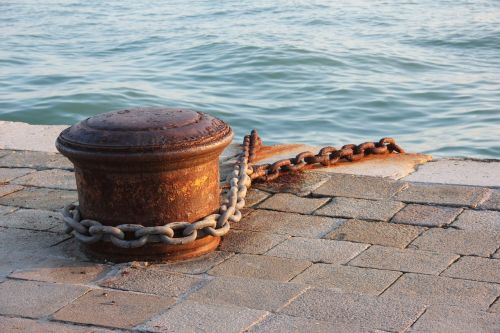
[{"x": 177, "y": 233}]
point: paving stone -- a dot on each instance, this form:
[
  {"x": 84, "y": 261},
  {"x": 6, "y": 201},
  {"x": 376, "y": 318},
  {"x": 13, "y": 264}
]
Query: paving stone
[
  {"x": 486, "y": 220},
  {"x": 451, "y": 195},
  {"x": 493, "y": 201},
  {"x": 318, "y": 250},
  {"x": 361, "y": 187},
  {"x": 475, "y": 268},
  {"x": 63, "y": 271},
  {"x": 6, "y": 210},
  {"x": 113, "y": 309},
  {"x": 60, "y": 179},
  {"x": 247, "y": 292},
  {"x": 432, "y": 290},
  {"x": 242, "y": 241},
  {"x": 426, "y": 216},
  {"x": 9, "y": 174},
  {"x": 40, "y": 198},
  {"x": 152, "y": 281},
  {"x": 208, "y": 318},
  {"x": 478, "y": 243},
  {"x": 355, "y": 309},
  {"x": 9, "y": 188},
  {"x": 496, "y": 255},
  {"x": 36, "y": 299},
  {"x": 4, "y": 152},
  {"x": 288, "y": 223},
  {"x": 457, "y": 320},
  {"x": 463, "y": 172},
  {"x": 347, "y": 278},
  {"x": 282, "y": 323},
  {"x": 300, "y": 183},
  {"x": 35, "y": 160},
  {"x": 261, "y": 267},
  {"x": 255, "y": 197},
  {"x": 27, "y": 248},
  {"x": 34, "y": 219},
  {"x": 380, "y": 233},
  {"x": 198, "y": 265},
  {"x": 23, "y": 325},
  {"x": 286, "y": 202},
  {"x": 361, "y": 209},
  {"x": 495, "y": 307},
  {"x": 404, "y": 260}
]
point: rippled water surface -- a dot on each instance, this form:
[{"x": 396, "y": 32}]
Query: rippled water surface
[{"x": 426, "y": 72}]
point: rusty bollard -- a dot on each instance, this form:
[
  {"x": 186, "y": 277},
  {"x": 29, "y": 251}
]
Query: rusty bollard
[{"x": 147, "y": 166}]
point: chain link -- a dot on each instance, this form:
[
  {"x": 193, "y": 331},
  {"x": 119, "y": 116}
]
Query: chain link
[
  {"x": 327, "y": 156},
  {"x": 240, "y": 180}
]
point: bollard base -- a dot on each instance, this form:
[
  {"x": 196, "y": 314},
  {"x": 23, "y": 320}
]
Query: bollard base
[{"x": 152, "y": 252}]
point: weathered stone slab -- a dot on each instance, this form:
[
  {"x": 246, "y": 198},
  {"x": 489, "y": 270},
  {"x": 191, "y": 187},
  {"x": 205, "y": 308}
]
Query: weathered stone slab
[
  {"x": 495, "y": 307},
  {"x": 255, "y": 197},
  {"x": 210, "y": 318},
  {"x": 458, "y": 241},
  {"x": 261, "y": 267},
  {"x": 9, "y": 174},
  {"x": 242, "y": 241},
  {"x": 247, "y": 292},
  {"x": 426, "y": 216},
  {"x": 288, "y": 223},
  {"x": 394, "y": 166},
  {"x": 347, "y": 278},
  {"x": 54, "y": 178},
  {"x": 63, "y": 271},
  {"x": 457, "y": 320},
  {"x": 231, "y": 151},
  {"x": 492, "y": 202},
  {"x": 33, "y": 219},
  {"x": 198, "y": 265},
  {"x": 279, "y": 323},
  {"x": 6, "y": 210},
  {"x": 152, "y": 281},
  {"x": 404, "y": 260},
  {"x": 36, "y": 299},
  {"x": 381, "y": 233},
  {"x": 35, "y": 160},
  {"x": 486, "y": 220},
  {"x": 23, "y": 325},
  {"x": 113, "y": 309},
  {"x": 355, "y": 309},
  {"x": 451, "y": 195},
  {"x": 432, "y": 290},
  {"x": 475, "y": 268},
  {"x": 318, "y": 250},
  {"x": 27, "y": 248},
  {"x": 9, "y": 188},
  {"x": 461, "y": 172},
  {"x": 300, "y": 184},
  {"x": 286, "y": 202},
  {"x": 23, "y": 136},
  {"x": 361, "y": 187},
  {"x": 40, "y": 198},
  {"x": 361, "y": 209}
]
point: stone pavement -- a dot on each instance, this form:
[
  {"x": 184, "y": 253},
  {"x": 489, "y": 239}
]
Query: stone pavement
[{"x": 320, "y": 251}]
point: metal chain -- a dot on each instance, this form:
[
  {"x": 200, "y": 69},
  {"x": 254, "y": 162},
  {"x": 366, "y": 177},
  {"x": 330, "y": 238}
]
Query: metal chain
[
  {"x": 240, "y": 180},
  {"x": 327, "y": 156}
]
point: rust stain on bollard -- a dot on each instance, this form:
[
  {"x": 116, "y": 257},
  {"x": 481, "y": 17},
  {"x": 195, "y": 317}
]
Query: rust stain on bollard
[{"x": 147, "y": 166}]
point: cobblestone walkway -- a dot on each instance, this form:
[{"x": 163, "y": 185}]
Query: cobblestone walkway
[{"x": 315, "y": 252}]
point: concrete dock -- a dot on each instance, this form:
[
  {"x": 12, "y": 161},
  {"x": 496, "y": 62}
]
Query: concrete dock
[{"x": 402, "y": 244}]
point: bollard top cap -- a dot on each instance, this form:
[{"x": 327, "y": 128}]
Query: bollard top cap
[{"x": 158, "y": 131}]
